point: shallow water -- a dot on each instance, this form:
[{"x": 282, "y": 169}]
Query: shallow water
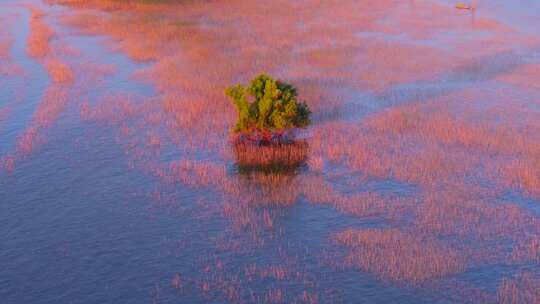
[{"x": 421, "y": 184}]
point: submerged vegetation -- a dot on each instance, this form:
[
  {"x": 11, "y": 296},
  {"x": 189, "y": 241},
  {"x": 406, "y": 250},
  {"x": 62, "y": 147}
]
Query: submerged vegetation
[{"x": 267, "y": 107}]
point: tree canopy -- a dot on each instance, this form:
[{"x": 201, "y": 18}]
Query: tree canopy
[{"x": 267, "y": 105}]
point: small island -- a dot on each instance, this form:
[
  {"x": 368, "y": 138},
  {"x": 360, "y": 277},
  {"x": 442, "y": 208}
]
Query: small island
[{"x": 269, "y": 112}]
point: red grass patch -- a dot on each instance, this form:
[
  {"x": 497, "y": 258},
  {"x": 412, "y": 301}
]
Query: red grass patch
[
  {"x": 528, "y": 250},
  {"x": 40, "y": 34},
  {"x": 522, "y": 289},
  {"x": 49, "y": 109},
  {"x": 5, "y": 48},
  {"x": 59, "y": 72},
  {"x": 525, "y": 76},
  {"x": 398, "y": 256}
]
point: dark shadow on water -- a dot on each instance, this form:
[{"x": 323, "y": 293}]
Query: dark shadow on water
[
  {"x": 274, "y": 168},
  {"x": 266, "y": 176}
]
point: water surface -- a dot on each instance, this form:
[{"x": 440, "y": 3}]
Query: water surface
[{"x": 118, "y": 182}]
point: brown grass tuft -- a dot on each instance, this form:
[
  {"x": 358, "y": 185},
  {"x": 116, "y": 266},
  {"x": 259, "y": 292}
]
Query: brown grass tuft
[
  {"x": 58, "y": 71},
  {"x": 272, "y": 157}
]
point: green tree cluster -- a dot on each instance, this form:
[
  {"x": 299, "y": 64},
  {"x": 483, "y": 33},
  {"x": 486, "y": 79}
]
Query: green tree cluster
[{"x": 267, "y": 105}]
